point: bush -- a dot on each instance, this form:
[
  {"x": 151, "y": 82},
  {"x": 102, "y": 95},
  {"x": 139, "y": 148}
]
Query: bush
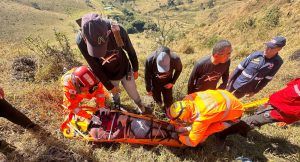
[
  {"x": 138, "y": 25},
  {"x": 52, "y": 59},
  {"x": 295, "y": 56},
  {"x": 35, "y": 5},
  {"x": 130, "y": 29},
  {"x": 190, "y": 1},
  {"x": 151, "y": 26},
  {"x": 171, "y": 3},
  {"x": 179, "y": 2},
  {"x": 272, "y": 17},
  {"x": 127, "y": 12},
  {"x": 211, "y": 3},
  {"x": 249, "y": 23}
]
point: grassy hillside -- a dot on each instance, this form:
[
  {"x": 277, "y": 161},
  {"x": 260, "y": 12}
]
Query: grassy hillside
[{"x": 198, "y": 25}]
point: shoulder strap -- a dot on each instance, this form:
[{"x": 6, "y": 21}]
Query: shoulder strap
[{"x": 116, "y": 31}]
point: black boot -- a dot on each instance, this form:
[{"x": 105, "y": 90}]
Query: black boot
[{"x": 241, "y": 128}]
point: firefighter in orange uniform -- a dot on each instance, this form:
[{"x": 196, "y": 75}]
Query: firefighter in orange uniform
[
  {"x": 80, "y": 83},
  {"x": 201, "y": 114}
]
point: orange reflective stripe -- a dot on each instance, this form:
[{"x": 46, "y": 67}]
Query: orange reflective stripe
[{"x": 228, "y": 104}]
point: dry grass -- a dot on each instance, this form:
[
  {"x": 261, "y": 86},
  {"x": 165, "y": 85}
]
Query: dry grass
[{"x": 40, "y": 100}]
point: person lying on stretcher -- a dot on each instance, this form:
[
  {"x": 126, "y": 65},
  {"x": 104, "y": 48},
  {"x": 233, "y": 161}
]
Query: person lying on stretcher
[{"x": 115, "y": 125}]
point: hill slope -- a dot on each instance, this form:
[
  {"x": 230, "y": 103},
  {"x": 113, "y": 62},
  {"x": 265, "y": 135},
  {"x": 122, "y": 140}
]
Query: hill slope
[{"x": 246, "y": 23}]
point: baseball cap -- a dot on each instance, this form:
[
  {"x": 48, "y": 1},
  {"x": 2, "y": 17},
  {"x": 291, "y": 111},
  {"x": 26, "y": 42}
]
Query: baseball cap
[
  {"x": 95, "y": 30},
  {"x": 163, "y": 60},
  {"x": 278, "y": 41}
]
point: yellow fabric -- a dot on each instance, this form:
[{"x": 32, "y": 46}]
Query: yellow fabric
[{"x": 209, "y": 107}]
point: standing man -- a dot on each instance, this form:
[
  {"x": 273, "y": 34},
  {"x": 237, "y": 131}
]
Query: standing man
[
  {"x": 254, "y": 73},
  {"x": 161, "y": 72},
  {"x": 208, "y": 70},
  {"x": 110, "y": 54}
]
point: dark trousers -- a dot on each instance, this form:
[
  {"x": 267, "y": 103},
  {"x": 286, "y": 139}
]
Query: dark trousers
[
  {"x": 236, "y": 93},
  {"x": 261, "y": 117},
  {"x": 159, "y": 90},
  {"x": 12, "y": 114}
]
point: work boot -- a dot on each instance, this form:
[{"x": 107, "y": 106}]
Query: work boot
[{"x": 241, "y": 128}]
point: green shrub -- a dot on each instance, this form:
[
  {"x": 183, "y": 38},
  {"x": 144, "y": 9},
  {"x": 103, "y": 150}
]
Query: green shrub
[
  {"x": 130, "y": 29},
  {"x": 138, "y": 25},
  {"x": 151, "y": 26},
  {"x": 52, "y": 59},
  {"x": 35, "y": 5},
  {"x": 188, "y": 49},
  {"x": 127, "y": 12},
  {"x": 272, "y": 17},
  {"x": 171, "y": 3},
  {"x": 244, "y": 25},
  {"x": 211, "y": 3}
]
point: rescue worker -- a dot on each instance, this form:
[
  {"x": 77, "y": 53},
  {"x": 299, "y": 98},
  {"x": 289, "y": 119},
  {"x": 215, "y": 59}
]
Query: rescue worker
[
  {"x": 208, "y": 70},
  {"x": 15, "y": 116},
  {"x": 162, "y": 69},
  {"x": 201, "y": 114},
  {"x": 80, "y": 83},
  {"x": 283, "y": 106},
  {"x": 108, "y": 50},
  {"x": 254, "y": 73}
]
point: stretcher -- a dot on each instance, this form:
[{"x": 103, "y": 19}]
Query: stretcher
[{"x": 79, "y": 128}]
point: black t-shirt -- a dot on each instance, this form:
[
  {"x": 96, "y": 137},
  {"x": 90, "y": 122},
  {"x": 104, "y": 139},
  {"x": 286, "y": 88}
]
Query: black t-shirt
[{"x": 206, "y": 75}]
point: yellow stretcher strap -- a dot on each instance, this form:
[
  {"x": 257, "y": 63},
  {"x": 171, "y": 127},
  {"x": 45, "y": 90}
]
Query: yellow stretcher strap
[{"x": 254, "y": 104}]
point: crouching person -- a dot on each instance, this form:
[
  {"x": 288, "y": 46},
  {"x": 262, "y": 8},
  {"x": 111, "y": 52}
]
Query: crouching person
[
  {"x": 80, "y": 83},
  {"x": 201, "y": 114},
  {"x": 283, "y": 106}
]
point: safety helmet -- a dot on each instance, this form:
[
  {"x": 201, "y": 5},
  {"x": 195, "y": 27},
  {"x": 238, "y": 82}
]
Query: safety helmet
[
  {"x": 83, "y": 77},
  {"x": 177, "y": 110}
]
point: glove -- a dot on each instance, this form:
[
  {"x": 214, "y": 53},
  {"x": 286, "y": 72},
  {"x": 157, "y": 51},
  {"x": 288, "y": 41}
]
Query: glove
[
  {"x": 168, "y": 86},
  {"x": 96, "y": 120},
  {"x": 115, "y": 90},
  {"x": 135, "y": 75},
  {"x": 1, "y": 93}
]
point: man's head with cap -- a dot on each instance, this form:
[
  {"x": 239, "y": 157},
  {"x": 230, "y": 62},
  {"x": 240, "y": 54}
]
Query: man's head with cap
[
  {"x": 163, "y": 59},
  {"x": 278, "y": 41},
  {"x": 95, "y": 32},
  {"x": 274, "y": 46}
]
